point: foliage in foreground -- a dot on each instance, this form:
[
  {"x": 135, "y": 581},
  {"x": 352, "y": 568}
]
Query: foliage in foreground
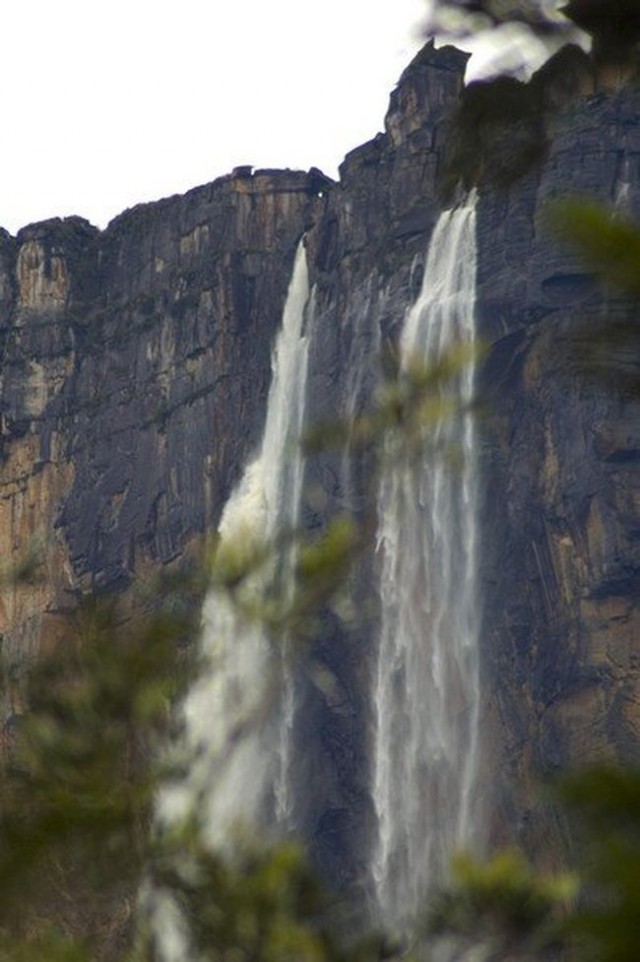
[
  {"x": 76, "y": 847},
  {"x": 78, "y": 786},
  {"x": 504, "y": 910},
  {"x": 612, "y": 26}
]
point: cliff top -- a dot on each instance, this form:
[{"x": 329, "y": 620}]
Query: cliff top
[{"x": 447, "y": 59}]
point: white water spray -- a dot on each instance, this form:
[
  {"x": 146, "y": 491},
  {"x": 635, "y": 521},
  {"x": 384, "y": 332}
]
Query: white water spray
[
  {"x": 622, "y": 200},
  {"x": 427, "y": 690},
  {"x": 239, "y": 715}
]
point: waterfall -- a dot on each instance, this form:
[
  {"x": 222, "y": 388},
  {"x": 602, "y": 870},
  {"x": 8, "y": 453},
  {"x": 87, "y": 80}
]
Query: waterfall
[
  {"x": 427, "y": 685},
  {"x": 622, "y": 189},
  {"x": 239, "y": 715}
]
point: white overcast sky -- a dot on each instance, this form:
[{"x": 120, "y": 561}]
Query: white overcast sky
[{"x": 106, "y": 104}]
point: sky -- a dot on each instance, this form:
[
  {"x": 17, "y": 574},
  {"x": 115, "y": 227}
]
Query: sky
[{"x": 107, "y": 104}]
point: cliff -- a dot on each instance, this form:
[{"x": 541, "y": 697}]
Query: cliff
[
  {"x": 134, "y": 376},
  {"x": 135, "y": 366},
  {"x": 561, "y": 470}
]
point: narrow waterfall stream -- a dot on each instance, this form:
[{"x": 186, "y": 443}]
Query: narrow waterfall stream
[
  {"x": 239, "y": 715},
  {"x": 427, "y": 687}
]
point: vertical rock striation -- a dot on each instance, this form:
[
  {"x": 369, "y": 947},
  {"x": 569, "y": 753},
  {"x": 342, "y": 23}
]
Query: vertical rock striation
[
  {"x": 135, "y": 364},
  {"x": 135, "y": 368},
  {"x": 563, "y": 557}
]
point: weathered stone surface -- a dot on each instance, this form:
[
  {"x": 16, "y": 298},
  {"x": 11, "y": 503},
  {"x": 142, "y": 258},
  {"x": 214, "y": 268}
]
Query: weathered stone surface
[
  {"x": 134, "y": 376},
  {"x": 562, "y": 583},
  {"x": 135, "y": 367}
]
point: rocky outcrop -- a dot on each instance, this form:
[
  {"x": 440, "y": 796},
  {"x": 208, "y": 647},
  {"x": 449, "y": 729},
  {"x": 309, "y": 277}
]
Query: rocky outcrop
[{"x": 134, "y": 376}]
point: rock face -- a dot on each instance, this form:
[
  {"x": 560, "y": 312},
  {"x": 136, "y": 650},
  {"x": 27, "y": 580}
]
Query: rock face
[
  {"x": 135, "y": 366},
  {"x": 135, "y": 370},
  {"x": 562, "y": 602}
]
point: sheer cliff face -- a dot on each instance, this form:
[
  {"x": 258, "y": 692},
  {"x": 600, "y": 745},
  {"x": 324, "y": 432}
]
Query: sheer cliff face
[
  {"x": 561, "y": 472},
  {"x": 135, "y": 366},
  {"x": 134, "y": 377}
]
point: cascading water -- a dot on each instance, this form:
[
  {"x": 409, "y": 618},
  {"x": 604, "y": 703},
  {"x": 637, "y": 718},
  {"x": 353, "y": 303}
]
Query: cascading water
[
  {"x": 241, "y": 743},
  {"x": 427, "y": 689},
  {"x": 622, "y": 189}
]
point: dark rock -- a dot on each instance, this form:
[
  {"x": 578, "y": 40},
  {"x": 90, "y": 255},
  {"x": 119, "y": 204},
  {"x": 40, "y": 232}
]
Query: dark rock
[{"x": 134, "y": 378}]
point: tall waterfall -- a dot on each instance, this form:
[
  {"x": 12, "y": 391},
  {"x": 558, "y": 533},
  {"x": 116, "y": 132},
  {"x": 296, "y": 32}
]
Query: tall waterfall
[
  {"x": 239, "y": 715},
  {"x": 427, "y": 688}
]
